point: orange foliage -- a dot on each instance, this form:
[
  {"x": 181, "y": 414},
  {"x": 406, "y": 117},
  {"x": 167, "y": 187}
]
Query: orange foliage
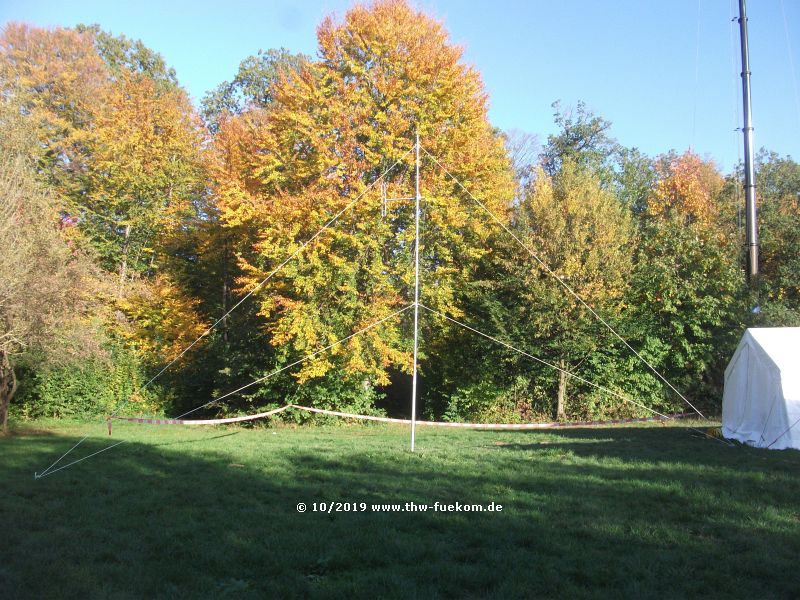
[
  {"x": 56, "y": 76},
  {"x": 384, "y": 72},
  {"x": 688, "y": 187}
]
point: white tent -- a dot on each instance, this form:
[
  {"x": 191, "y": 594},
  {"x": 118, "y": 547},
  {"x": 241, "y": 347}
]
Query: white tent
[{"x": 761, "y": 402}]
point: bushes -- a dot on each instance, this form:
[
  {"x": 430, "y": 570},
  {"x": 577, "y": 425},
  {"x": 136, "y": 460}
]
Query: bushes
[
  {"x": 88, "y": 388},
  {"x": 335, "y": 392}
]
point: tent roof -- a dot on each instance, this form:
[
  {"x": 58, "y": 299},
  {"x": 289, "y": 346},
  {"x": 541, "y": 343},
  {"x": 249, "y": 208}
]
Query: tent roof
[{"x": 780, "y": 345}]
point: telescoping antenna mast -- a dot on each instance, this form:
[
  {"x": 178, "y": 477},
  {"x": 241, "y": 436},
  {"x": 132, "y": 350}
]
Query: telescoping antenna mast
[
  {"x": 416, "y": 300},
  {"x": 751, "y": 215}
]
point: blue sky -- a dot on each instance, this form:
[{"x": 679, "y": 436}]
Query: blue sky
[{"x": 665, "y": 73}]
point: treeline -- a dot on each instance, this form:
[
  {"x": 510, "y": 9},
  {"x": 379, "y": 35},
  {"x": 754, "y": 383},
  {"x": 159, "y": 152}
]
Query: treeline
[{"x": 131, "y": 221}]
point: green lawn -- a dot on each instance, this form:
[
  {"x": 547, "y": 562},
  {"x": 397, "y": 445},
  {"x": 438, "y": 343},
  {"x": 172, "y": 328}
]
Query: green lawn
[{"x": 626, "y": 512}]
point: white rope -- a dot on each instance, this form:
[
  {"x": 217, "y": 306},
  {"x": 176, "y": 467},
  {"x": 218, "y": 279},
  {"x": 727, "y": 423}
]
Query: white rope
[
  {"x": 563, "y": 284},
  {"x": 75, "y": 462},
  {"x": 223, "y": 421},
  {"x": 554, "y": 425}
]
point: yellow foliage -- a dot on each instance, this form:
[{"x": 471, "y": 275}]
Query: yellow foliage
[
  {"x": 55, "y": 74},
  {"x": 162, "y": 320},
  {"x": 384, "y": 72},
  {"x": 145, "y": 154},
  {"x": 581, "y": 231}
]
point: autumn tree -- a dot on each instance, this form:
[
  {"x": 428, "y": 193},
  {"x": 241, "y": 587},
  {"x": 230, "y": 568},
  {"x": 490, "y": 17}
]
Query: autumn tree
[
  {"x": 43, "y": 287},
  {"x": 585, "y": 237},
  {"x": 384, "y": 73},
  {"x": 687, "y": 188},
  {"x": 121, "y": 141},
  {"x": 54, "y": 78},
  {"x": 143, "y": 171},
  {"x": 120, "y": 150}
]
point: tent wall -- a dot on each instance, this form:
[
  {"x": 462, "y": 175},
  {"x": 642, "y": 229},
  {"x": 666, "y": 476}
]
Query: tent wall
[{"x": 761, "y": 401}]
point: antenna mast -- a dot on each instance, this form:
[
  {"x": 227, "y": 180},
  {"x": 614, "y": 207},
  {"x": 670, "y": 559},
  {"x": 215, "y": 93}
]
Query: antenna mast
[
  {"x": 751, "y": 215},
  {"x": 416, "y": 301}
]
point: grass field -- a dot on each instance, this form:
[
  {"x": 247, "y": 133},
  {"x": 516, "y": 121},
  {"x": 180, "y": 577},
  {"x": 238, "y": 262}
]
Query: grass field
[{"x": 627, "y": 512}]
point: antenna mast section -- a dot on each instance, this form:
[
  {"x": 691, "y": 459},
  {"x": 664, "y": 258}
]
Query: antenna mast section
[
  {"x": 751, "y": 215},
  {"x": 416, "y": 300}
]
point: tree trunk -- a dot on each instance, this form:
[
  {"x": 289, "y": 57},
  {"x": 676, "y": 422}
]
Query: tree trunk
[
  {"x": 225, "y": 291},
  {"x": 123, "y": 265},
  {"x": 562, "y": 390},
  {"x": 8, "y": 387}
]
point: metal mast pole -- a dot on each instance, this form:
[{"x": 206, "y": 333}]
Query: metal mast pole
[
  {"x": 751, "y": 215},
  {"x": 416, "y": 305}
]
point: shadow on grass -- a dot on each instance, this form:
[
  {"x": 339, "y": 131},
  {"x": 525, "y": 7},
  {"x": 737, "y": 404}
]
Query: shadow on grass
[
  {"x": 653, "y": 441},
  {"x": 624, "y": 513},
  {"x": 200, "y": 440}
]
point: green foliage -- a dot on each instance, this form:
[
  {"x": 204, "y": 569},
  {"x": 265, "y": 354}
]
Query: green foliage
[
  {"x": 635, "y": 179},
  {"x": 479, "y": 401},
  {"x": 686, "y": 304},
  {"x": 334, "y": 392},
  {"x": 775, "y": 314},
  {"x": 251, "y": 87},
  {"x": 123, "y": 55},
  {"x": 617, "y": 369},
  {"x": 583, "y": 139},
  {"x": 85, "y": 388},
  {"x": 778, "y": 181}
]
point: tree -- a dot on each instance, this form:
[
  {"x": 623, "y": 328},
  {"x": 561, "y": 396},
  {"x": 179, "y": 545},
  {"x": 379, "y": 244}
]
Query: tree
[
  {"x": 43, "y": 288},
  {"x": 635, "y": 179},
  {"x": 778, "y": 191},
  {"x": 686, "y": 294},
  {"x": 143, "y": 171},
  {"x": 585, "y": 237},
  {"x": 689, "y": 188},
  {"x": 251, "y": 87},
  {"x": 124, "y": 56},
  {"x": 384, "y": 72},
  {"x": 121, "y": 152},
  {"x": 584, "y": 140},
  {"x": 53, "y": 77},
  {"x": 120, "y": 137}
]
